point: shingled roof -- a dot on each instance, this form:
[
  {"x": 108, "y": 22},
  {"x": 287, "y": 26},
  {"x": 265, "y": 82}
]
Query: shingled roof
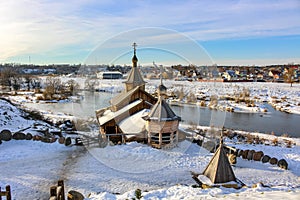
[
  {"x": 219, "y": 169},
  {"x": 135, "y": 77},
  {"x": 122, "y": 96},
  {"x": 161, "y": 111}
]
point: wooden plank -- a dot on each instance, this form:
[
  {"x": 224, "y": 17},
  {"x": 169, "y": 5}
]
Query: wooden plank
[
  {"x": 60, "y": 183},
  {"x": 53, "y": 191},
  {"x": 58, "y": 190},
  {"x": 8, "y": 191}
]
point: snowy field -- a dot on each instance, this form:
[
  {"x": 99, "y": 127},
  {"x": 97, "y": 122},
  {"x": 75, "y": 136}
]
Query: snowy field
[{"x": 115, "y": 172}]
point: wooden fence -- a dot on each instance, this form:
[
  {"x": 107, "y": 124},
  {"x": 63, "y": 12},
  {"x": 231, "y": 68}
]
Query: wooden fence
[
  {"x": 6, "y": 193},
  {"x": 57, "y": 192}
]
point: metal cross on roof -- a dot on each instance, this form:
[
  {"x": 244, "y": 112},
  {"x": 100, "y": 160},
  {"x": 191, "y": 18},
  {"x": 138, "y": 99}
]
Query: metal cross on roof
[{"x": 134, "y": 46}]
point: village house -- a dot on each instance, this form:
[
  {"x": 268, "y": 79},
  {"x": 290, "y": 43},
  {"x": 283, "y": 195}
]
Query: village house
[
  {"x": 229, "y": 75},
  {"x": 275, "y": 74}
]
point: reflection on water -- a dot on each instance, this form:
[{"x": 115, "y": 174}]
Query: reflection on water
[{"x": 275, "y": 121}]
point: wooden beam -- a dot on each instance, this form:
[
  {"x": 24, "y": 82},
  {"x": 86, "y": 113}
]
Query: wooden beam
[
  {"x": 53, "y": 191},
  {"x": 160, "y": 139}
]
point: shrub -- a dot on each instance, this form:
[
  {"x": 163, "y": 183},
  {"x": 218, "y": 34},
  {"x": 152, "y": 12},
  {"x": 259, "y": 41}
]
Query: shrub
[
  {"x": 138, "y": 194},
  {"x": 249, "y": 138},
  {"x": 39, "y": 98},
  {"x": 275, "y": 141},
  {"x": 289, "y": 143}
]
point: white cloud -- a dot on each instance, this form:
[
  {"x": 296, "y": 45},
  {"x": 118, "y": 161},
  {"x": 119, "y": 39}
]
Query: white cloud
[{"x": 29, "y": 27}]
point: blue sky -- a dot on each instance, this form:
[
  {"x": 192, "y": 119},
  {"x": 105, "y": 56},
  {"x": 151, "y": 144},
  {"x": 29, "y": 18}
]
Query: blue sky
[{"x": 230, "y": 32}]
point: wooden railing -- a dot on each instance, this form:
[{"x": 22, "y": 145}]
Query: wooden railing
[
  {"x": 6, "y": 193},
  {"x": 57, "y": 192}
]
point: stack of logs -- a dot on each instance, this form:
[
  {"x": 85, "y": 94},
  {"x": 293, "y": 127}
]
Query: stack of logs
[
  {"x": 7, "y": 135},
  {"x": 260, "y": 156}
]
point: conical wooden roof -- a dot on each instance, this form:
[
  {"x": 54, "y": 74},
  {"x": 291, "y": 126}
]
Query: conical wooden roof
[
  {"x": 161, "y": 111},
  {"x": 219, "y": 169}
]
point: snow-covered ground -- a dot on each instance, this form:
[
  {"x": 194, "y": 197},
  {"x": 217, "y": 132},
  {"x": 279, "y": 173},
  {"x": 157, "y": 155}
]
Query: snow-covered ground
[
  {"x": 115, "y": 172},
  {"x": 11, "y": 117}
]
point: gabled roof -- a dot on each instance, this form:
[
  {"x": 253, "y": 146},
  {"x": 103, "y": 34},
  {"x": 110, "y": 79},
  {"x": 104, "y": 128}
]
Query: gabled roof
[
  {"x": 126, "y": 96},
  {"x": 109, "y": 115},
  {"x": 122, "y": 96},
  {"x": 219, "y": 169},
  {"x": 134, "y": 124},
  {"x": 161, "y": 111}
]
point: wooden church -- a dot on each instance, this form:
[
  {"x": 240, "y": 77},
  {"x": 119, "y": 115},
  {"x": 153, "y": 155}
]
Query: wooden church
[{"x": 135, "y": 112}]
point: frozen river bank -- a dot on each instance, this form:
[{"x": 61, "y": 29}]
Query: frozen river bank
[{"x": 273, "y": 121}]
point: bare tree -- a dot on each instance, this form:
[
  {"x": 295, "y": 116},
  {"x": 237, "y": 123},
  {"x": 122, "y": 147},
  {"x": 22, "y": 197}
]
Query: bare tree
[
  {"x": 289, "y": 75},
  {"x": 191, "y": 97},
  {"x": 52, "y": 86},
  {"x": 71, "y": 86},
  {"x": 180, "y": 94},
  {"x": 7, "y": 77},
  {"x": 26, "y": 81},
  {"x": 35, "y": 84},
  {"x": 213, "y": 101},
  {"x": 16, "y": 82},
  {"x": 91, "y": 84}
]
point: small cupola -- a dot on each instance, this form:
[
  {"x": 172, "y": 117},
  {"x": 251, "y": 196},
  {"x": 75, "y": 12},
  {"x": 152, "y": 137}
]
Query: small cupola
[
  {"x": 162, "y": 122},
  {"x": 134, "y": 78}
]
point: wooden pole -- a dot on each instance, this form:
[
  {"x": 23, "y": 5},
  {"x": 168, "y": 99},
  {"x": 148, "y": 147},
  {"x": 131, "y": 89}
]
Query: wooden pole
[
  {"x": 8, "y": 192},
  {"x": 61, "y": 183},
  {"x": 0, "y": 194},
  {"x": 149, "y": 134},
  {"x": 160, "y": 139},
  {"x": 53, "y": 191},
  {"x": 123, "y": 139}
]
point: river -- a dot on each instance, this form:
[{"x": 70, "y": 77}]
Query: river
[{"x": 274, "y": 121}]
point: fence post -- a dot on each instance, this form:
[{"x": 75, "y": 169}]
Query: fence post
[
  {"x": 61, "y": 183},
  {"x": 53, "y": 192},
  {"x": 8, "y": 192},
  {"x": 0, "y": 194}
]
